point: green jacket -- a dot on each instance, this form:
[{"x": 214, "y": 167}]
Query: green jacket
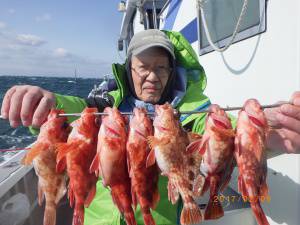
[{"x": 102, "y": 211}]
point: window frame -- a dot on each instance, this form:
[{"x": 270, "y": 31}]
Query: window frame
[{"x": 241, "y": 36}]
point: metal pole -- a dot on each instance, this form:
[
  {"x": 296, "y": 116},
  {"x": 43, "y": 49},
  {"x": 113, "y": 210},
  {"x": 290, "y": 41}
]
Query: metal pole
[
  {"x": 164, "y": 8},
  {"x": 182, "y": 112},
  {"x": 154, "y": 15}
]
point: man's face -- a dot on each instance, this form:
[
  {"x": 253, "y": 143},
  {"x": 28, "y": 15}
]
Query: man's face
[{"x": 150, "y": 72}]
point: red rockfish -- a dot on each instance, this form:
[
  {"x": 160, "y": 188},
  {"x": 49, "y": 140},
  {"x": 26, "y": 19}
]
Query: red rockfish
[
  {"x": 51, "y": 184},
  {"x": 76, "y": 156},
  {"x": 144, "y": 180},
  {"x": 216, "y": 148},
  {"x": 169, "y": 151},
  {"x": 110, "y": 162},
  {"x": 250, "y": 154}
]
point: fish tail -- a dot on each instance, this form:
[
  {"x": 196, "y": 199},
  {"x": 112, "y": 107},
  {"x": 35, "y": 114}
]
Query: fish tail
[
  {"x": 122, "y": 198},
  {"x": 259, "y": 213},
  {"x": 214, "y": 209},
  {"x": 190, "y": 214},
  {"x": 251, "y": 192},
  {"x": 173, "y": 192},
  {"x": 148, "y": 219},
  {"x": 78, "y": 217},
  {"x": 95, "y": 165},
  {"x": 50, "y": 214},
  {"x": 129, "y": 218}
]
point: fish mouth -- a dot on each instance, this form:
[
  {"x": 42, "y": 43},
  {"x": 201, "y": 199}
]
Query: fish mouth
[
  {"x": 254, "y": 116},
  {"x": 220, "y": 121},
  {"x": 141, "y": 134},
  {"x": 256, "y": 121},
  {"x": 161, "y": 128},
  {"x": 113, "y": 132},
  {"x": 158, "y": 124}
]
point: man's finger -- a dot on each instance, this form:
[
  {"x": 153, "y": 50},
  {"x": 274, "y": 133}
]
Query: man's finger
[
  {"x": 292, "y": 141},
  {"x": 291, "y": 111},
  {"x": 271, "y": 117},
  {"x": 288, "y": 122},
  {"x": 42, "y": 111},
  {"x": 15, "y": 107},
  {"x": 296, "y": 98},
  {"x": 6, "y": 102},
  {"x": 29, "y": 103}
]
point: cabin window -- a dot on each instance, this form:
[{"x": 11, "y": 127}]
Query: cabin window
[{"x": 222, "y": 17}]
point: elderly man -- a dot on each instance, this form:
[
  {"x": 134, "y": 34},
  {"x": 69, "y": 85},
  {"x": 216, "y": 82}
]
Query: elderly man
[{"x": 161, "y": 66}]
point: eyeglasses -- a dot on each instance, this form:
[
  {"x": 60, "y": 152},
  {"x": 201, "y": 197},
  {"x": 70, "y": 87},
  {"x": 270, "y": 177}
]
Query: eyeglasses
[{"x": 159, "y": 71}]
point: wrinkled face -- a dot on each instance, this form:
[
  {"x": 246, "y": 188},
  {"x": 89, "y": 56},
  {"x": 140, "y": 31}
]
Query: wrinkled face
[
  {"x": 150, "y": 72},
  {"x": 218, "y": 118}
]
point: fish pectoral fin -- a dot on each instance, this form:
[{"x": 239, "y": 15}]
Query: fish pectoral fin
[
  {"x": 90, "y": 196},
  {"x": 150, "y": 159},
  {"x": 203, "y": 145},
  {"x": 62, "y": 149},
  {"x": 61, "y": 165},
  {"x": 95, "y": 165},
  {"x": 173, "y": 192},
  {"x": 154, "y": 141},
  {"x": 34, "y": 151},
  {"x": 194, "y": 146}
]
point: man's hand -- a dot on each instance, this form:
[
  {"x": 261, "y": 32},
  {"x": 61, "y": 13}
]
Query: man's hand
[
  {"x": 286, "y": 121},
  {"x": 27, "y": 104}
]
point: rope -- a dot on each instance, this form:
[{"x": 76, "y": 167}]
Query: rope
[{"x": 200, "y": 5}]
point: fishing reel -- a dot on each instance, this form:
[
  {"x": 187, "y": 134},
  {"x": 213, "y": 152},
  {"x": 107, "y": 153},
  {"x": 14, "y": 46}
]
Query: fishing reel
[{"x": 99, "y": 98}]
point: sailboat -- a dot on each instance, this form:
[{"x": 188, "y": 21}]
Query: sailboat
[{"x": 75, "y": 77}]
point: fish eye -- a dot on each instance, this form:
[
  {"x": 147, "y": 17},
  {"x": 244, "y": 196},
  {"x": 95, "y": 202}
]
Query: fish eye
[
  {"x": 65, "y": 125},
  {"x": 176, "y": 114}
]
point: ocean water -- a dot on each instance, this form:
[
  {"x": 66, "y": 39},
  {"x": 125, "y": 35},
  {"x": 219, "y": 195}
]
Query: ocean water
[{"x": 20, "y": 137}]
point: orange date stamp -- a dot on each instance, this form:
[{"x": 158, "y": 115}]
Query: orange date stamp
[{"x": 237, "y": 198}]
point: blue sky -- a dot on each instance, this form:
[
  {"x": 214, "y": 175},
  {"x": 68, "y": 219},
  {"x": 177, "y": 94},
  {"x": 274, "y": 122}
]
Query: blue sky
[{"x": 51, "y": 38}]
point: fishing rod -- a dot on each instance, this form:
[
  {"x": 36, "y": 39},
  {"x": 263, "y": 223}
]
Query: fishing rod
[{"x": 180, "y": 112}]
